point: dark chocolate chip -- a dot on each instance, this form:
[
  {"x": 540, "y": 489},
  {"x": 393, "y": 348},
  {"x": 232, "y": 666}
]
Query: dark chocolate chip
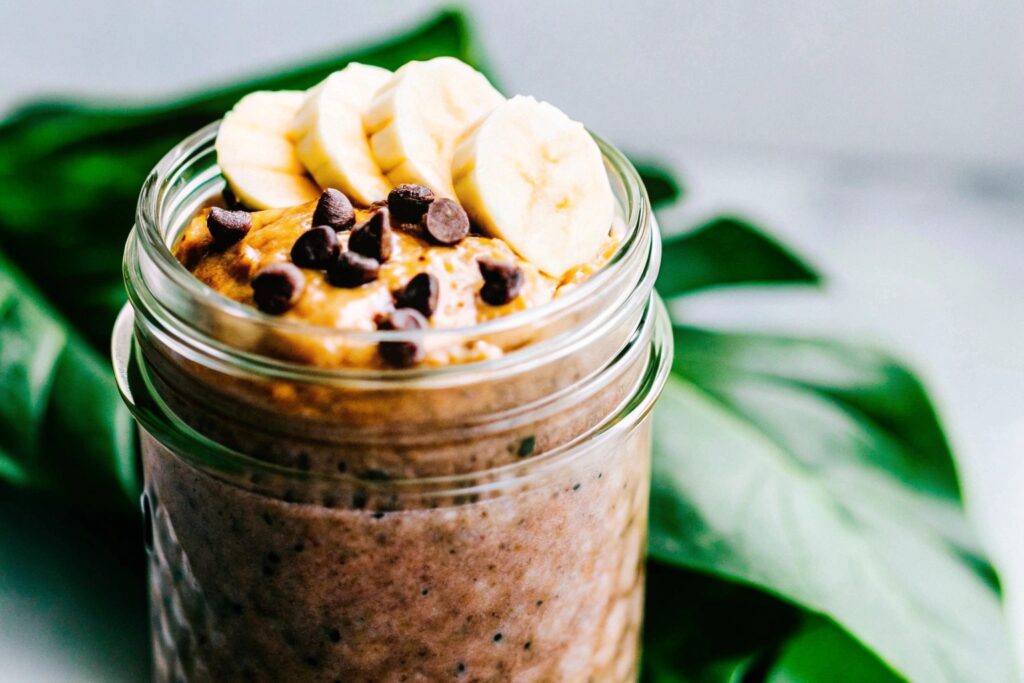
[
  {"x": 401, "y": 354},
  {"x": 372, "y": 237},
  {"x": 351, "y": 270},
  {"x": 446, "y": 221},
  {"x": 420, "y": 293},
  {"x": 334, "y": 209},
  {"x": 316, "y": 248},
  {"x": 277, "y": 287},
  {"x": 408, "y": 202},
  {"x": 502, "y": 281},
  {"x": 227, "y": 227}
]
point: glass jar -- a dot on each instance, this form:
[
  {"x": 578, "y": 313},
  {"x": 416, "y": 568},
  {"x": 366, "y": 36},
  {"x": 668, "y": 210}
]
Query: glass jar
[{"x": 480, "y": 521}]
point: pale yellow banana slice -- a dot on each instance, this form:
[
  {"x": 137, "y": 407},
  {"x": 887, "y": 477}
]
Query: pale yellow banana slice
[
  {"x": 535, "y": 178},
  {"x": 256, "y": 153},
  {"x": 419, "y": 116},
  {"x": 329, "y": 136}
]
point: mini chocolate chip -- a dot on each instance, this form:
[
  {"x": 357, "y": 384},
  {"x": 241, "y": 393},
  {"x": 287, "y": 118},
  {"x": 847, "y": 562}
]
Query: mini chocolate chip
[
  {"x": 372, "y": 237},
  {"x": 446, "y": 221},
  {"x": 502, "y": 281},
  {"x": 316, "y": 248},
  {"x": 420, "y": 293},
  {"x": 334, "y": 209},
  {"x": 227, "y": 227},
  {"x": 277, "y": 287},
  {"x": 409, "y": 202},
  {"x": 401, "y": 354},
  {"x": 351, "y": 270}
]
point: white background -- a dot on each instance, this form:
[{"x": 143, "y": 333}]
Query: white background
[{"x": 884, "y": 138}]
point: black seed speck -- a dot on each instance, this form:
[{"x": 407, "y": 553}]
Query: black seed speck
[
  {"x": 359, "y": 499},
  {"x": 460, "y": 668},
  {"x": 424, "y": 591},
  {"x": 273, "y": 557},
  {"x": 299, "y": 547},
  {"x": 335, "y": 635},
  {"x": 527, "y": 446},
  {"x": 576, "y": 487},
  {"x": 527, "y": 644},
  {"x": 497, "y": 637},
  {"x": 378, "y": 515}
]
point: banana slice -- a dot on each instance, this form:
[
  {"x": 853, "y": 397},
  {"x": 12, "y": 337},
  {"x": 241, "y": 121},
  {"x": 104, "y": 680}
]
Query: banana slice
[
  {"x": 535, "y": 178},
  {"x": 418, "y": 117},
  {"x": 329, "y": 135},
  {"x": 256, "y": 153}
]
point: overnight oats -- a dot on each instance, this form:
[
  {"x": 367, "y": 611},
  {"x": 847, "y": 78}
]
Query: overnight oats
[{"x": 392, "y": 345}]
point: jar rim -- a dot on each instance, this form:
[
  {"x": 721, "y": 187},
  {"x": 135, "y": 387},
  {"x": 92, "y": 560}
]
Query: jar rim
[{"x": 150, "y": 236}]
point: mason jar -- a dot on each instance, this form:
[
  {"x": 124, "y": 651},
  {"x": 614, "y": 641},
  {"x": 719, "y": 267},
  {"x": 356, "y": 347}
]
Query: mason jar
[{"x": 481, "y": 520}]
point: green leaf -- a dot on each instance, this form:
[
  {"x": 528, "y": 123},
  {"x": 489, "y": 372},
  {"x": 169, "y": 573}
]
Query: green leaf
[
  {"x": 864, "y": 382},
  {"x": 822, "y": 652},
  {"x": 62, "y": 424},
  {"x": 702, "y": 629},
  {"x": 663, "y": 187},
  {"x": 73, "y": 172},
  {"x": 727, "y": 251},
  {"x": 769, "y": 484}
]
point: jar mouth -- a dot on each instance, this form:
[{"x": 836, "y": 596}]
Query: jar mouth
[
  {"x": 199, "y": 450},
  {"x": 172, "y": 174}
]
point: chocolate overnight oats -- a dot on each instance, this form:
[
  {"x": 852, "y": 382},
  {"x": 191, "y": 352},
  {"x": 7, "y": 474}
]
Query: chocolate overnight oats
[{"x": 392, "y": 347}]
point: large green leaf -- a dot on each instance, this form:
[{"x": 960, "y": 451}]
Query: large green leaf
[
  {"x": 863, "y": 381},
  {"x": 771, "y": 484},
  {"x": 727, "y": 251},
  {"x": 702, "y": 629},
  {"x": 822, "y": 652},
  {"x": 71, "y": 173},
  {"x": 663, "y": 187},
  {"x": 62, "y": 424}
]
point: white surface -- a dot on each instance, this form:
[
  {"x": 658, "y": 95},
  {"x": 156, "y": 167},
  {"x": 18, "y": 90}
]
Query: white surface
[
  {"x": 932, "y": 78},
  {"x": 923, "y": 252}
]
